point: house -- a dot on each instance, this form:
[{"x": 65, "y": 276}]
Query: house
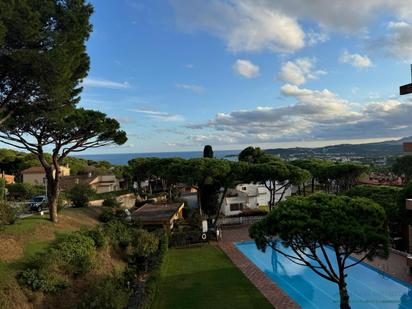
[
  {"x": 100, "y": 183},
  {"x": 249, "y": 196},
  {"x": 8, "y": 178},
  {"x": 162, "y": 214},
  {"x": 36, "y": 175}
]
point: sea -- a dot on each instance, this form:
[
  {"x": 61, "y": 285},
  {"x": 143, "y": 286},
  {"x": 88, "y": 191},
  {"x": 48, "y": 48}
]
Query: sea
[{"x": 123, "y": 158}]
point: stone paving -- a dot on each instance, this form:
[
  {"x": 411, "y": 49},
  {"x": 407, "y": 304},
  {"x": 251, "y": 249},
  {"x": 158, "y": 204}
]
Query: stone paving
[{"x": 278, "y": 298}]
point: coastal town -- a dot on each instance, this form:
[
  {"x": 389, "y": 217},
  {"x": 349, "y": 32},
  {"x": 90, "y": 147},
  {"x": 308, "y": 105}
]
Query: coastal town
[{"x": 235, "y": 189}]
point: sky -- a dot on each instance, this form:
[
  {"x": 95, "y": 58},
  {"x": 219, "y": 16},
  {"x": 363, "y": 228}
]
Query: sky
[{"x": 180, "y": 74}]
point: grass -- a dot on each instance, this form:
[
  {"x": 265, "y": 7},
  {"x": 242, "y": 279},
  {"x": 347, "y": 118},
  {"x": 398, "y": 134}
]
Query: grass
[
  {"x": 30, "y": 236},
  {"x": 203, "y": 277}
]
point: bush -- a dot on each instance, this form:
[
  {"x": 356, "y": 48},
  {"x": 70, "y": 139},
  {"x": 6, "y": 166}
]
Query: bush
[
  {"x": 110, "y": 293},
  {"x": 74, "y": 252},
  {"x": 80, "y": 195},
  {"x": 118, "y": 232},
  {"x": 107, "y": 215},
  {"x": 184, "y": 238},
  {"x": 97, "y": 235},
  {"x": 152, "y": 284},
  {"x": 23, "y": 191},
  {"x": 111, "y": 202},
  {"x": 7, "y": 213},
  {"x": 41, "y": 281}
]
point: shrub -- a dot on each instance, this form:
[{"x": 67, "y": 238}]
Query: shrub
[
  {"x": 80, "y": 195},
  {"x": 97, "y": 235},
  {"x": 23, "y": 191},
  {"x": 74, "y": 252},
  {"x": 110, "y": 293},
  {"x": 152, "y": 284},
  {"x": 118, "y": 232},
  {"x": 107, "y": 215},
  {"x": 184, "y": 238},
  {"x": 111, "y": 202},
  {"x": 41, "y": 281},
  {"x": 7, "y": 213}
]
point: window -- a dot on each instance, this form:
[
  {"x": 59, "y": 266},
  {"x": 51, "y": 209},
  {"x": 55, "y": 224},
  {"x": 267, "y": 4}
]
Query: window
[
  {"x": 244, "y": 188},
  {"x": 236, "y": 207}
]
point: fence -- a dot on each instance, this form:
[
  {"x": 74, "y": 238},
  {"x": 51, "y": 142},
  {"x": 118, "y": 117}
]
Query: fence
[{"x": 238, "y": 220}]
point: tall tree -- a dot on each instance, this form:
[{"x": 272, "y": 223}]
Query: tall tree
[
  {"x": 70, "y": 131},
  {"x": 307, "y": 226},
  {"x": 403, "y": 168},
  {"x": 208, "y": 152},
  {"x": 42, "y": 54},
  {"x": 277, "y": 176},
  {"x": 254, "y": 155}
]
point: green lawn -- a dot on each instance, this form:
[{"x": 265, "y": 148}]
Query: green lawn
[{"x": 203, "y": 277}]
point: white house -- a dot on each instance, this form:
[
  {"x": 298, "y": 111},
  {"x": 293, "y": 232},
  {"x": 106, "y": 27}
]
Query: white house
[{"x": 249, "y": 196}]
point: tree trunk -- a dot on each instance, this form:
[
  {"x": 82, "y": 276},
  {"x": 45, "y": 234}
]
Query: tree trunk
[
  {"x": 54, "y": 200},
  {"x": 344, "y": 296},
  {"x": 313, "y": 185}
]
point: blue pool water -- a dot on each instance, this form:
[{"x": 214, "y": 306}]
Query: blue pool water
[{"x": 368, "y": 288}]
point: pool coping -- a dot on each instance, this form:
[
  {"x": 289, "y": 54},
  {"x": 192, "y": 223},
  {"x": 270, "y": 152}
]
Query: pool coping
[{"x": 274, "y": 294}]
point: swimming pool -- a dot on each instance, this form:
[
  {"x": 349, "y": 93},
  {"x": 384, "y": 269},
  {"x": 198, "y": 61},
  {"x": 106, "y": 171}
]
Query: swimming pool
[{"x": 368, "y": 288}]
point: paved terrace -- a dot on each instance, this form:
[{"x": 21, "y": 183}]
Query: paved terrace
[{"x": 395, "y": 266}]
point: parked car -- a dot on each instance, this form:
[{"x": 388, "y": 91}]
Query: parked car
[{"x": 38, "y": 203}]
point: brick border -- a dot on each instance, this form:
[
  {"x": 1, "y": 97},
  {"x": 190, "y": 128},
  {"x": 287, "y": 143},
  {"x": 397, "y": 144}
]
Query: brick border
[{"x": 275, "y": 295}]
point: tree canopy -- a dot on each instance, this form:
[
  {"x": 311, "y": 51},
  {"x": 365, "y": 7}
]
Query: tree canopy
[
  {"x": 42, "y": 54},
  {"x": 402, "y": 167},
  {"x": 308, "y": 225}
]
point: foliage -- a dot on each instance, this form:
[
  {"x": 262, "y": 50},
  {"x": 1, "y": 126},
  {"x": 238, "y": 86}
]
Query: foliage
[
  {"x": 23, "y": 191},
  {"x": 47, "y": 116},
  {"x": 109, "y": 293},
  {"x": 150, "y": 290},
  {"x": 107, "y": 215},
  {"x": 184, "y": 238},
  {"x": 111, "y": 202},
  {"x": 387, "y": 197},
  {"x": 42, "y": 54},
  {"x": 42, "y": 281},
  {"x": 118, "y": 233},
  {"x": 308, "y": 225},
  {"x": 403, "y": 167},
  {"x": 7, "y": 213},
  {"x": 97, "y": 235},
  {"x": 144, "y": 243},
  {"x": 335, "y": 177},
  {"x": 80, "y": 195},
  {"x": 74, "y": 252},
  {"x": 208, "y": 151},
  {"x": 254, "y": 155}
]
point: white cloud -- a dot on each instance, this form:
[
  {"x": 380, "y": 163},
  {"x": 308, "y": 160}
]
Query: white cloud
[
  {"x": 194, "y": 88},
  {"x": 299, "y": 71},
  {"x": 398, "y": 43},
  {"x": 316, "y": 115},
  {"x": 104, "y": 83},
  {"x": 159, "y": 115},
  {"x": 313, "y": 38},
  {"x": 356, "y": 60},
  {"x": 246, "y": 69},
  {"x": 244, "y": 25}
]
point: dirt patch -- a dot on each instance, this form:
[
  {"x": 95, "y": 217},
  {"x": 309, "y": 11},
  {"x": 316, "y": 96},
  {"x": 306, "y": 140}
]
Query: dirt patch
[{"x": 10, "y": 249}]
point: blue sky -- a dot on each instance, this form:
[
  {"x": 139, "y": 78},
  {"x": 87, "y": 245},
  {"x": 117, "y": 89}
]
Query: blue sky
[{"x": 181, "y": 74}]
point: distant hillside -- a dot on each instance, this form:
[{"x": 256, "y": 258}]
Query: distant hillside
[{"x": 386, "y": 148}]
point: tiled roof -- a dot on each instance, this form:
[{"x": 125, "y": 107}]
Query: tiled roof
[
  {"x": 33, "y": 170},
  {"x": 156, "y": 212}
]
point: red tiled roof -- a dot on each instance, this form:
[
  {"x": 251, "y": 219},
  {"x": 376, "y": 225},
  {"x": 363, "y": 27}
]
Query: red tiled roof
[{"x": 33, "y": 170}]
